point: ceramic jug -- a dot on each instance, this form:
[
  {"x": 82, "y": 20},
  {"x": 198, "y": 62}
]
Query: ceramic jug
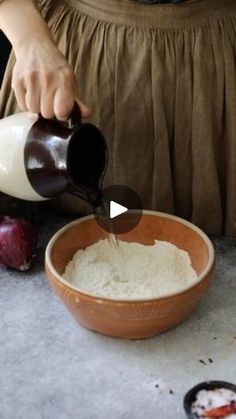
[{"x": 41, "y": 158}]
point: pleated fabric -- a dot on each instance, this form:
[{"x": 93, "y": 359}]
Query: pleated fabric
[{"x": 161, "y": 81}]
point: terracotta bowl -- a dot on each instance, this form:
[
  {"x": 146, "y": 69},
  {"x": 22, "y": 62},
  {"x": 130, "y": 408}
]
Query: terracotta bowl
[{"x": 130, "y": 318}]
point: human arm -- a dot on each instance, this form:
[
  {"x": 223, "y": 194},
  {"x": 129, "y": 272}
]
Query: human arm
[{"x": 42, "y": 79}]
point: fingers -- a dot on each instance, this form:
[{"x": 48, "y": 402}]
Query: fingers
[
  {"x": 85, "y": 111},
  {"x": 66, "y": 95},
  {"x": 63, "y": 103},
  {"x": 47, "y": 103},
  {"x": 44, "y": 82},
  {"x": 52, "y": 94},
  {"x": 32, "y": 93},
  {"x": 19, "y": 89}
]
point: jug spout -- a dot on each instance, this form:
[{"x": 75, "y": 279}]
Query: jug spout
[{"x": 86, "y": 163}]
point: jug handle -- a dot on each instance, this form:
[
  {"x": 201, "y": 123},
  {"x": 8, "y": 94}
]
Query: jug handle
[{"x": 74, "y": 119}]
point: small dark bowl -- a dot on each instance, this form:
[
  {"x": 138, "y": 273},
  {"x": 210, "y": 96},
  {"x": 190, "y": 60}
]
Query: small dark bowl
[{"x": 207, "y": 385}]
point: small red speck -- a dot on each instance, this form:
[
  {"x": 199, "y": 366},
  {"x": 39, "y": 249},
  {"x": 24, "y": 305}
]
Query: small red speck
[{"x": 210, "y": 360}]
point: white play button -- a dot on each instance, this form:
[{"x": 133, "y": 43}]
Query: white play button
[
  {"x": 116, "y": 209},
  {"x": 120, "y": 211}
]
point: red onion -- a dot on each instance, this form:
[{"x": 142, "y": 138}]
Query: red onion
[{"x": 18, "y": 241}]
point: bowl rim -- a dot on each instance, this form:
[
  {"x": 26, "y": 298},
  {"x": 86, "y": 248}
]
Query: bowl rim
[{"x": 205, "y": 272}]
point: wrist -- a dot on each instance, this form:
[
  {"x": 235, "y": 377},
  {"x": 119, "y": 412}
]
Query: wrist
[
  {"x": 35, "y": 38},
  {"x": 22, "y": 23}
]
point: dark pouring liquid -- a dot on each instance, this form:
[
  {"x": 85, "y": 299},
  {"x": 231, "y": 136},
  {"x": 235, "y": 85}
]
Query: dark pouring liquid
[{"x": 102, "y": 210}]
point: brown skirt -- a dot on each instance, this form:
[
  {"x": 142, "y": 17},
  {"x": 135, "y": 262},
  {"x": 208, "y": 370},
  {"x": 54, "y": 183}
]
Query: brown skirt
[{"x": 161, "y": 81}]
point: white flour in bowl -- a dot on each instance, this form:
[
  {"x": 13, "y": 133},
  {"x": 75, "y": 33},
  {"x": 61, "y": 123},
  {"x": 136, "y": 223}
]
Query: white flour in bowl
[{"x": 132, "y": 271}]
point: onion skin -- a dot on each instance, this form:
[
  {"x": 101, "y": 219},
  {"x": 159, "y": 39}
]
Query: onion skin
[{"x": 18, "y": 243}]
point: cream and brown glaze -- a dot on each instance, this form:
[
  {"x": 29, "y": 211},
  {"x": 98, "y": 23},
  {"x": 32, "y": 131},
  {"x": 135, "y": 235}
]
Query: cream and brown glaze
[{"x": 65, "y": 157}]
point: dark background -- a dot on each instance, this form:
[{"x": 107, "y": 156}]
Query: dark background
[{"x": 5, "y": 48}]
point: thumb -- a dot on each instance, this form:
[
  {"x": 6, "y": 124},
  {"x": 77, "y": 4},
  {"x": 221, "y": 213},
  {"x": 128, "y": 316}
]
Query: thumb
[{"x": 85, "y": 110}]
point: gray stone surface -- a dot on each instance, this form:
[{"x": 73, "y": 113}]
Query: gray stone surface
[{"x": 51, "y": 368}]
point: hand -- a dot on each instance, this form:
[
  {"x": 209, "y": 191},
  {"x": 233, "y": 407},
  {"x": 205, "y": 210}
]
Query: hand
[{"x": 44, "y": 82}]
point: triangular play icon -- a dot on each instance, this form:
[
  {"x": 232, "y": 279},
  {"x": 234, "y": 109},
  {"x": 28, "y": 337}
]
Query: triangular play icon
[{"x": 116, "y": 209}]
